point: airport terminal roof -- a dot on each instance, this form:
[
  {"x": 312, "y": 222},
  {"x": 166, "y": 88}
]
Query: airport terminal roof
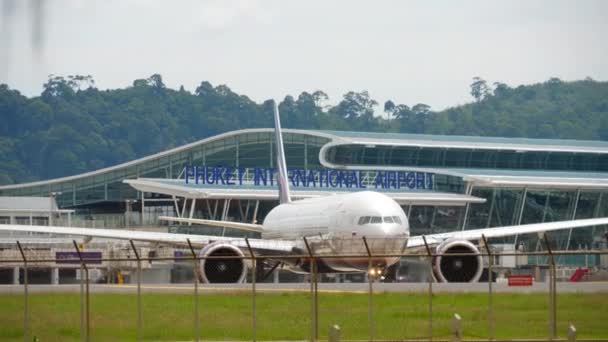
[
  {"x": 535, "y": 178},
  {"x": 151, "y": 166},
  {"x": 177, "y": 187},
  {"x": 468, "y": 142}
]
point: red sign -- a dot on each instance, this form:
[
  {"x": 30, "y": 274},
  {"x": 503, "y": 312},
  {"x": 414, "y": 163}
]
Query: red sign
[{"x": 521, "y": 280}]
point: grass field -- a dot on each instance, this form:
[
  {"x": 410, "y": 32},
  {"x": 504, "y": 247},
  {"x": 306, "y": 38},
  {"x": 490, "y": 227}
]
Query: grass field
[{"x": 56, "y": 317}]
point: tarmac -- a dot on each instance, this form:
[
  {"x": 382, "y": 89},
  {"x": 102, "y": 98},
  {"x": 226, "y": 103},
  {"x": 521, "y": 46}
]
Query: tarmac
[{"x": 563, "y": 287}]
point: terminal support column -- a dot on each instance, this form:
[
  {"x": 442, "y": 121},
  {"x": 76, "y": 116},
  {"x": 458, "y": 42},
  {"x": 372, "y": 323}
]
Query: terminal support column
[
  {"x": 468, "y": 191},
  {"x": 16, "y": 275},
  {"x": 55, "y": 276},
  {"x": 521, "y": 211},
  {"x": 192, "y": 209},
  {"x": 143, "y": 204},
  {"x": 578, "y": 195}
]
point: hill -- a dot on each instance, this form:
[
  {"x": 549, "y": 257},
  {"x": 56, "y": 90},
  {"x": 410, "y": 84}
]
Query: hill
[{"x": 73, "y": 127}]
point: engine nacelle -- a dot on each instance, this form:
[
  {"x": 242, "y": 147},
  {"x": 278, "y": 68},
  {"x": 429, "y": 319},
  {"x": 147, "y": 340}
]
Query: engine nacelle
[
  {"x": 457, "y": 268},
  {"x": 223, "y": 270}
]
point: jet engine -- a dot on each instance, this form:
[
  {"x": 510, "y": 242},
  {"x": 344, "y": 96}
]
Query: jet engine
[
  {"x": 225, "y": 269},
  {"x": 457, "y": 268}
]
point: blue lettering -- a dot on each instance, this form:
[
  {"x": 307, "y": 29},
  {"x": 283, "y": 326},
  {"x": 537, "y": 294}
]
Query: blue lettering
[
  {"x": 401, "y": 179},
  {"x": 327, "y": 178},
  {"x": 260, "y": 175},
  {"x": 391, "y": 180},
  {"x": 211, "y": 180},
  {"x": 298, "y": 176},
  {"x": 218, "y": 175},
  {"x": 271, "y": 173},
  {"x": 379, "y": 180},
  {"x": 360, "y": 184},
  {"x": 229, "y": 174},
  {"x": 420, "y": 180},
  {"x": 311, "y": 179},
  {"x": 332, "y": 176},
  {"x": 241, "y": 171},
  {"x": 410, "y": 179},
  {"x": 188, "y": 171}
]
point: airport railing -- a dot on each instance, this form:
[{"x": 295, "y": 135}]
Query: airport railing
[{"x": 86, "y": 262}]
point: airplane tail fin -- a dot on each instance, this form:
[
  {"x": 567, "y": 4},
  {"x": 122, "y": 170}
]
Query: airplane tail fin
[{"x": 281, "y": 166}]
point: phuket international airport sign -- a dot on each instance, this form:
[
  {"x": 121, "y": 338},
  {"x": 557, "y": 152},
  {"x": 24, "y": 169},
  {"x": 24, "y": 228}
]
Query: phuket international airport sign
[{"x": 312, "y": 178}]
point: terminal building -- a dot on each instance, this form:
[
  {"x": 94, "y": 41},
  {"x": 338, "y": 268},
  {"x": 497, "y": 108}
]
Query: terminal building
[{"x": 443, "y": 183}]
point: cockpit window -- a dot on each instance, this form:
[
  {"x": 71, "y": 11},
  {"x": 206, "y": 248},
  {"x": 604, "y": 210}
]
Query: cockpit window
[
  {"x": 376, "y": 219},
  {"x": 364, "y": 220}
]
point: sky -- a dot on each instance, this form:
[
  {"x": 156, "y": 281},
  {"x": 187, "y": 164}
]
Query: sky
[{"x": 406, "y": 51}]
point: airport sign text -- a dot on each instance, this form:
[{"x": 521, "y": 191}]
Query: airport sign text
[{"x": 312, "y": 178}]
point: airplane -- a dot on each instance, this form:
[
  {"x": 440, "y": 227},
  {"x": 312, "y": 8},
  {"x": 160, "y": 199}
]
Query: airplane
[{"x": 340, "y": 224}]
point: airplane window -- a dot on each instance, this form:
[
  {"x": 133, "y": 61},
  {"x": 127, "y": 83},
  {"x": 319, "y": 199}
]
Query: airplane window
[
  {"x": 376, "y": 219},
  {"x": 397, "y": 219},
  {"x": 364, "y": 220},
  {"x": 388, "y": 219}
]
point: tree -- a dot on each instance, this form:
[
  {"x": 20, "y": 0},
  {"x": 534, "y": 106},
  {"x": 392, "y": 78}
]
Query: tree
[
  {"x": 421, "y": 109},
  {"x": 500, "y": 89},
  {"x": 80, "y": 82},
  {"x": 320, "y": 97},
  {"x": 355, "y": 105},
  {"x": 479, "y": 89},
  {"x": 156, "y": 81},
  {"x": 57, "y": 86},
  {"x": 389, "y": 108}
]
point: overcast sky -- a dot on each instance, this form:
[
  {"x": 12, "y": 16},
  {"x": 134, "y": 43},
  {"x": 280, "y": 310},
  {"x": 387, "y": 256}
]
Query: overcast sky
[{"x": 406, "y": 51}]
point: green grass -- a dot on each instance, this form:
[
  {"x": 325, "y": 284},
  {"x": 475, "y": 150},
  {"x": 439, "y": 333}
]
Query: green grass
[{"x": 56, "y": 317}]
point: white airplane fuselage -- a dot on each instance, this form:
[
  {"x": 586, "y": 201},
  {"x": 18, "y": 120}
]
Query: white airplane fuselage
[{"x": 337, "y": 224}]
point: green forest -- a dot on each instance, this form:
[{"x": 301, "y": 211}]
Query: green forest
[{"x": 73, "y": 126}]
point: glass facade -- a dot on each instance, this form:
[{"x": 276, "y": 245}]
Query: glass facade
[
  {"x": 514, "y": 206},
  {"x": 415, "y": 156},
  {"x": 238, "y": 150}
]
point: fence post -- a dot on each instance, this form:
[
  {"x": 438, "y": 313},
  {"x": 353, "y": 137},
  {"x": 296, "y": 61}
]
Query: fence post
[
  {"x": 314, "y": 333},
  {"x": 138, "y": 290},
  {"x": 26, "y": 318},
  {"x": 571, "y": 333},
  {"x": 195, "y": 269},
  {"x": 85, "y": 312},
  {"x": 371, "y": 290},
  {"x": 490, "y": 281},
  {"x": 552, "y": 290},
  {"x": 430, "y": 258},
  {"x": 253, "y": 280},
  {"x": 456, "y": 328},
  {"x": 334, "y": 333}
]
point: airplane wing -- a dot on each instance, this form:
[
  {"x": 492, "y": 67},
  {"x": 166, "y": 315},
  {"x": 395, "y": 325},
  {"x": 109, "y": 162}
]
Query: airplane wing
[
  {"x": 250, "y": 227},
  {"x": 273, "y": 246},
  {"x": 476, "y": 234}
]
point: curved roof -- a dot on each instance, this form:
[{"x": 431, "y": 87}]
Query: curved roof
[
  {"x": 470, "y": 142},
  {"x": 140, "y": 167},
  {"x": 162, "y": 154},
  {"x": 179, "y": 188}
]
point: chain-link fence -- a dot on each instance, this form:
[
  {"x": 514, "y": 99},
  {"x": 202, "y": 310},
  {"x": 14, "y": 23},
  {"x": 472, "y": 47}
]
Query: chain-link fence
[{"x": 489, "y": 309}]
